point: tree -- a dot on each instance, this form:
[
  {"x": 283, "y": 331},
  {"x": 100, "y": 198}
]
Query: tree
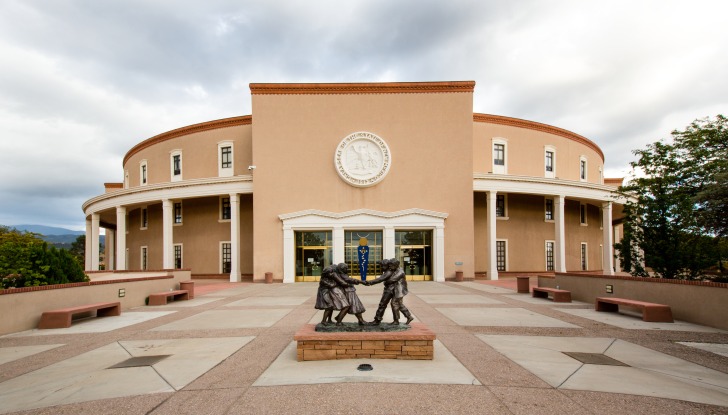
[
  {"x": 78, "y": 249},
  {"x": 673, "y": 219}
]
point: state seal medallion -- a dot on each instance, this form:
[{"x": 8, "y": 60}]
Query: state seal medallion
[{"x": 362, "y": 159}]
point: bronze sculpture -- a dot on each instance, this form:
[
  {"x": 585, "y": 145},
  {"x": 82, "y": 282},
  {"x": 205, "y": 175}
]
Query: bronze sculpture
[
  {"x": 395, "y": 288},
  {"x": 330, "y": 296},
  {"x": 355, "y": 305}
]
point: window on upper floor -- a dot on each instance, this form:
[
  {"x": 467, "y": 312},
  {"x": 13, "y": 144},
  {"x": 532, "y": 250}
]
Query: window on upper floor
[
  {"x": 582, "y": 168},
  {"x": 550, "y": 162},
  {"x": 176, "y": 165},
  {"x": 225, "y": 167},
  {"x": 144, "y": 218},
  {"x": 500, "y": 156},
  {"x": 143, "y": 173},
  {"x": 582, "y": 214}
]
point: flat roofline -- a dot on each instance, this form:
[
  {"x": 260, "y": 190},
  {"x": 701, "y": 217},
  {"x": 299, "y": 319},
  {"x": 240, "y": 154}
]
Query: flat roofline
[{"x": 361, "y": 88}]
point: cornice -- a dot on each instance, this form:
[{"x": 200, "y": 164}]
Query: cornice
[
  {"x": 190, "y": 129},
  {"x": 536, "y": 126},
  {"x": 362, "y": 88}
]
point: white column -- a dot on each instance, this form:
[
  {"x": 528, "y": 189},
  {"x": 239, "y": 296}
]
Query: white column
[
  {"x": 95, "y": 241},
  {"x": 617, "y": 238},
  {"x": 388, "y": 243},
  {"x": 491, "y": 235},
  {"x": 560, "y": 248},
  {"x": 439, "y": 254},
  {"x": 110, "y": 249},
  {"x": 289, "y": 255},
  {"x": 607, "y": 243},
  {"x": 167, "y": 235},
  {"x": 121, "y": 238},
  {"x": 338, "y": 248},
  {"x": 87, "y": 256},
  {"x": 234, "y": 237}
]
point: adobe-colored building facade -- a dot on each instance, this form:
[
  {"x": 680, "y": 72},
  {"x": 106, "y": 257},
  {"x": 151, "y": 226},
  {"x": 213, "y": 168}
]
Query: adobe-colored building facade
[{"x": 318, "y": 169}]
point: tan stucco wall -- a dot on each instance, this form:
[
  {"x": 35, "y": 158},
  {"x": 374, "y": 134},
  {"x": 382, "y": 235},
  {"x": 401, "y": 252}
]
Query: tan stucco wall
[
  {"x": 525, "y": 151},
  {"x": 199, "y": 155},
  {"x": 430, "y": 138},
  {"x": 693, "y": 303},
  {"x": 28, "y": 306}
]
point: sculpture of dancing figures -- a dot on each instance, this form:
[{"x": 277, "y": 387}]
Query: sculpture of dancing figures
[
  {"x": 355, "y": 305},
  {"x": 331, "y": 296},
  {"x": 395, "y": 288}
]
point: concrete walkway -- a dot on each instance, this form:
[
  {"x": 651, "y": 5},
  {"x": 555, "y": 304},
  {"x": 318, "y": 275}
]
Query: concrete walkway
[{"x": 230, "y": 350}]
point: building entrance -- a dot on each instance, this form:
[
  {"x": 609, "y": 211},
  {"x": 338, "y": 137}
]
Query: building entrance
[
  {"x": 413, "y": 249},
  {"x": 313, "y": 254},
  {"x": 351, "y": 256}
]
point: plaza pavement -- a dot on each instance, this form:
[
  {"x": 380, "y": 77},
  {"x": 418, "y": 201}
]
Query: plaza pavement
[{"x": 231, "y": 351}]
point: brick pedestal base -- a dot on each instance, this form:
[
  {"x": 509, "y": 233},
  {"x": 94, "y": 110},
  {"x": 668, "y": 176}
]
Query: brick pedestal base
[{"x": 412, "y": 344}]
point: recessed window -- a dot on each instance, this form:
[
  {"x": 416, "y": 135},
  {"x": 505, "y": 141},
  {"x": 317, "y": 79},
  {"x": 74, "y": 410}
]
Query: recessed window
[
  {"x": 584, "y": 262},
  {"x": 225, "y": 208},
  {"x": 549, "y": 209},
  {"x": 500, "y": 160},
  {"x": 582, "y": 168},
  {"x": 176, "y": 165},
  {"x": 143, "y": 173},
  {"x": 550, "y": 255},
  {"x": 500, "y": 255},
  {"x": 225, "y": 257},
  {"x": 144, "y": 258},
  {"x": 144, "y": 218},
  {"x": 550, "y": 162},
  {"x": 225, "y": 167},
  {"x": 582, "y": 214},
  {"x": 177, "y": 256},
  {"x": 500, "y": 206},
  {"x": 178, "y": 213}
]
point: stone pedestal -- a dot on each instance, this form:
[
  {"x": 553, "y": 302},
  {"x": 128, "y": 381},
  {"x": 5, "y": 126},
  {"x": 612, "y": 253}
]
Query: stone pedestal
[
  {"x": 522, "y": 283},
  {"x": 189, "y": 286},
  {"x": 412, "y": 344}
]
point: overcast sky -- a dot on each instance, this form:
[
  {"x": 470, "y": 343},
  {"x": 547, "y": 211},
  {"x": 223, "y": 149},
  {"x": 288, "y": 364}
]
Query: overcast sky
[{"x": 81, "y": 82}]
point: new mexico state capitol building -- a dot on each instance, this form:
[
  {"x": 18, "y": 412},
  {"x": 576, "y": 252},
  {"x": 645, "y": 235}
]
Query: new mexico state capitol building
[{"x": 296, "y": 185}]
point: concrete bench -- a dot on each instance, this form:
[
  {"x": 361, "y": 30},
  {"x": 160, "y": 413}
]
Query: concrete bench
[
  {"x": 558, "y": 296},
  {"x": 650, "y": 311},
  {"x": 161, "y": 298},
  {"x": 61, "y": 318}
]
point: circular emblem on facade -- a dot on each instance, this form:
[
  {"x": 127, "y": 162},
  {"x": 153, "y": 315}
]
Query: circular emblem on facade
[{"x": 362, "y": 159}]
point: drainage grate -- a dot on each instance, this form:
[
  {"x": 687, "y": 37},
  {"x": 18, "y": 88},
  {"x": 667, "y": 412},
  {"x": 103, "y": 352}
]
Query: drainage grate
[
  {"x": 365, "y": 367},
  {"x": 594, "y": 359},
  {"x": 140, "y": 361}
]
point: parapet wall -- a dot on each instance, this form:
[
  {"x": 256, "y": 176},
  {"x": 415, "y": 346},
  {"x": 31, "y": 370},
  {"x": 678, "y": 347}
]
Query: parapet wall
[
  {"x": 25, "y": 305},
  {"x": 692, "y": 301}
]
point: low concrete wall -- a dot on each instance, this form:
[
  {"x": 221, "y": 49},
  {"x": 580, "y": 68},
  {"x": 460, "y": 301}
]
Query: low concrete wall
[
  {"x": 23, "y": 306},
  {"x": 693, "y": 301}
]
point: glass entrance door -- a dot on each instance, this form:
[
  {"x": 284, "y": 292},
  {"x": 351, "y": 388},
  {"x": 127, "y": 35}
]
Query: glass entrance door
[
  {"x": 413, "y": 249},
  {"x": 313, "y": 254}
]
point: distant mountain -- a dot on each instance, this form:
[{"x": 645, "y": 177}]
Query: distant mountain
[{"x": 46, "y": 230}]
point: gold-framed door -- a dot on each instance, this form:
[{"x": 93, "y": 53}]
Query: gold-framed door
[{"x": 313, "y": 253}]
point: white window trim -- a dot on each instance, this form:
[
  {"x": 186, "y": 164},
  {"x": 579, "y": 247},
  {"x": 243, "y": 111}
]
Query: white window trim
[
  {"x": 181, "y": 213},
  {"x": 143, "y": 166},
  {"x": 498, "y": 169},
  {"x": 219, "y": 210},
  {"x": 225, "y": 171},
  {"x": 141, "y": 257},
  {"x": 505, "y": 207},
  {"x": 586, "y": 169},
  {"x": 585, "y": 252},
  {"x": 142, "y": 227},
  {"x": 586, "y": 214},
  {"x": 220, "y": 253},
  {"x": 496, "y": 255},
  {"x": 176, "y": 177},
  {"x": 546, "y": 255},
  {"x": 181, "y": 254},
  {"x": 553, "y": 208},
  {"x": 549, "y": 174}
]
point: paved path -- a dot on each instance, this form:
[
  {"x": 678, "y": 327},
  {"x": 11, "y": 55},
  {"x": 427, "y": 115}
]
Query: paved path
[{"x": 230, "y": 351}]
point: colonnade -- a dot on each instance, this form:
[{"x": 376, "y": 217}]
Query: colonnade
[{"x": 117, "y": 238}]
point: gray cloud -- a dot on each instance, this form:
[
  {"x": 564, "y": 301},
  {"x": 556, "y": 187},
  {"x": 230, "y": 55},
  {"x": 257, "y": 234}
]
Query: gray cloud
[{"x": 83, "y": 81}]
